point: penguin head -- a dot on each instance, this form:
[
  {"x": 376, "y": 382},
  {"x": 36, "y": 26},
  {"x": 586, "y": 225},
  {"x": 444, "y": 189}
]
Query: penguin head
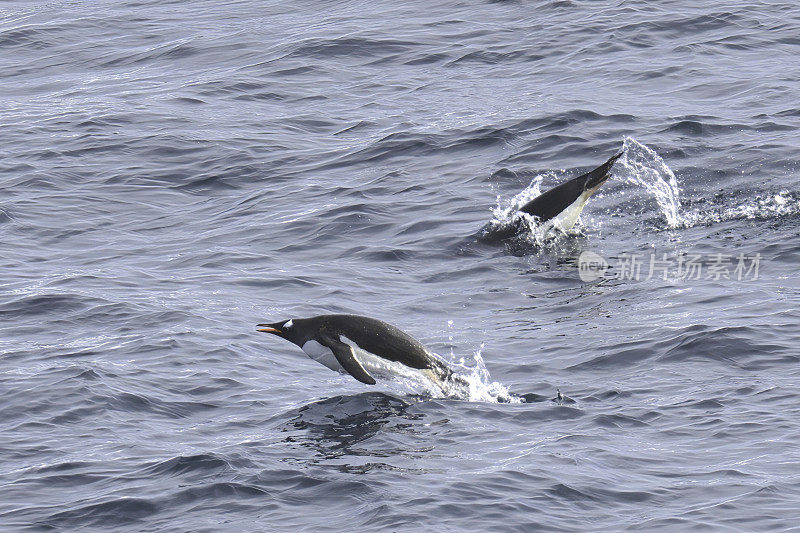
[{"x": 287, "y": 329}]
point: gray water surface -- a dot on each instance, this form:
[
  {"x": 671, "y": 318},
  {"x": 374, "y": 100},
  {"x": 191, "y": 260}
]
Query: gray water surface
[{"x": 175, "y": 172}]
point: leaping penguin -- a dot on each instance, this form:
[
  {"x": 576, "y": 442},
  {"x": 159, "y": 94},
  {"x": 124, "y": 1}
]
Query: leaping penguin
[
  {"x": 562, "y": 204},
  {"x": 362, "y": 347},
  {"x": 573, "y": 193}
]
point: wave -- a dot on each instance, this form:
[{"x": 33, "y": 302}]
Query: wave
[
  {"x": 741, "y": 347},
  {"x": 109, "y": 513}
]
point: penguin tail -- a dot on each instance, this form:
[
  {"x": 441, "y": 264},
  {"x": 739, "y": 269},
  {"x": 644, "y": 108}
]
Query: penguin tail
[{"x": 597, "y": 176}]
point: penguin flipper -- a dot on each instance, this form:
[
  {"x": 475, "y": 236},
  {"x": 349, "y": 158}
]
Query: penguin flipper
[{"x": 347, "y": 358}]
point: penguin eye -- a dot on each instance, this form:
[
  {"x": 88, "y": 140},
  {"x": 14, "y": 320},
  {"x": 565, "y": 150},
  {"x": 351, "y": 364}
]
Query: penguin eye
[{"x": 288, "y": 324}]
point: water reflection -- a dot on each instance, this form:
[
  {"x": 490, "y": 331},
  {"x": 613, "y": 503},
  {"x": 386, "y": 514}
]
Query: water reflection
[{"x": 359, "y": 426}]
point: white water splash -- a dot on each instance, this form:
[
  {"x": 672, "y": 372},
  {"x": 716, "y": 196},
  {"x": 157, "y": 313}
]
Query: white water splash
[
  {"x": 643, "y": 167},
  {"x": 470, "y": 383},
  {"x": 507, "y": 214},
  {"x": 783, "y": 203},
  {"x": 474, "y": 384},
  {"x": 505, "y": 210}
]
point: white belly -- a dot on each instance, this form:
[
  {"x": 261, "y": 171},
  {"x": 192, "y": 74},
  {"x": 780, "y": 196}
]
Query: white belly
[
  {"x": 375, "y": 366},
  {"x": 569, "y": 216},
  {"x": 323, "y": 355}
]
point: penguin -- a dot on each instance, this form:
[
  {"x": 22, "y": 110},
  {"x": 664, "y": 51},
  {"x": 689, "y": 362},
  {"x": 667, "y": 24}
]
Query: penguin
[
  {"x": 363, "y": 347},
  {"x": 562, "y": 205},
  {"x": 570, "y": 197}
]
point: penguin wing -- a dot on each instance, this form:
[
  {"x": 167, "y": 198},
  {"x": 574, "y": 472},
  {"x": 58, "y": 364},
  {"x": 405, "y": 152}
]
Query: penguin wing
[{"x": 344, "y": 354}]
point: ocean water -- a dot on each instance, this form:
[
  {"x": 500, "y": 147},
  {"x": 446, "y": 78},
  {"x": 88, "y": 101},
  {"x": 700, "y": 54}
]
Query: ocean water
[{"x": 172, "y": 173}]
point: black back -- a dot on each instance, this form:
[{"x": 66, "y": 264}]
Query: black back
[
  {"x": 374, "y": 336},
  {"x": 550, "y": 203}
]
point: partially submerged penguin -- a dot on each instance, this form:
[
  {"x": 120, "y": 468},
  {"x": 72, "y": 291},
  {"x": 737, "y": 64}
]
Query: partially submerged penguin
[
  {"x": 561, "y": 205},
  {"x": 363, "y": 347}
]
